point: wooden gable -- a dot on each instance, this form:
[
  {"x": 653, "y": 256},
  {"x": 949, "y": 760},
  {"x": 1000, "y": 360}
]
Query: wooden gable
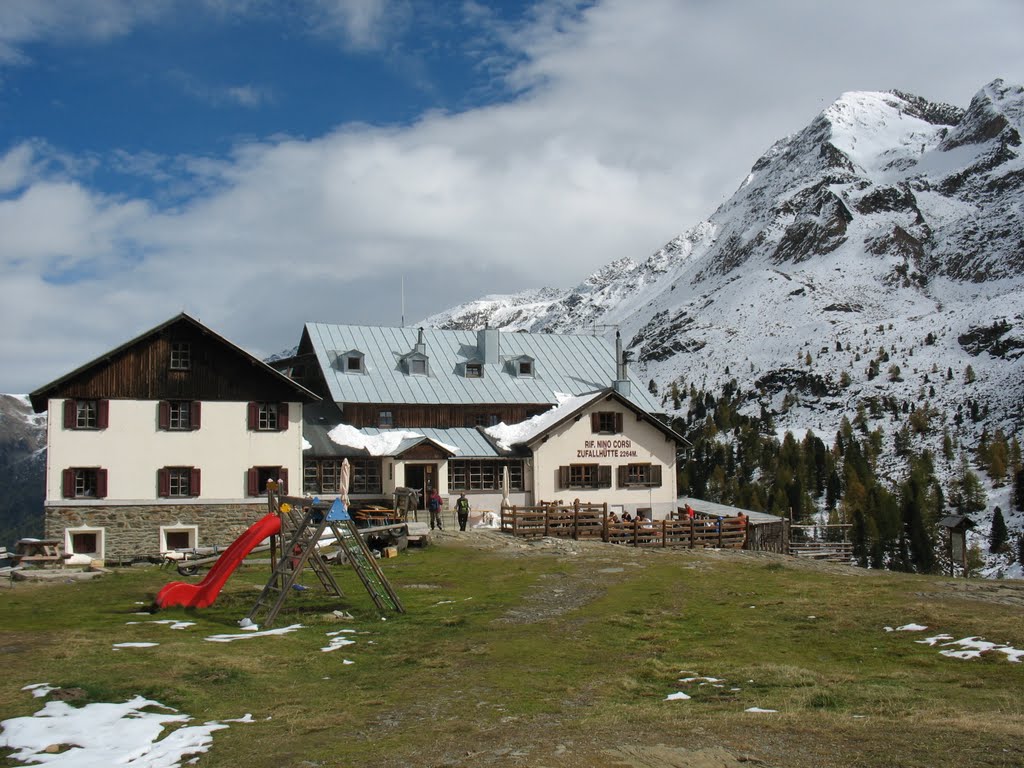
[{"x": 142, "y": 369}]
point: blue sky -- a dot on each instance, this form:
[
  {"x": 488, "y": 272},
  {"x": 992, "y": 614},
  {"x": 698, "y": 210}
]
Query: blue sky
[{"x": 262, "y": 164}]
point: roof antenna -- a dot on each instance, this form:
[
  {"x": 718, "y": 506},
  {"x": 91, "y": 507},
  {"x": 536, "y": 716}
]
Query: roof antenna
[{"x": 403, "y": 301}]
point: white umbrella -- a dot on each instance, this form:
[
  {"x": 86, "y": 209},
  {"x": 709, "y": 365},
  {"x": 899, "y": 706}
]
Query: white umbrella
[
  {"x": 343, "y": 481},
  {"x": 506, "y": 484}
]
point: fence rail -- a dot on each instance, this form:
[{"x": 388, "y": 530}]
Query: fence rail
[{"x": 591, "y": 521}]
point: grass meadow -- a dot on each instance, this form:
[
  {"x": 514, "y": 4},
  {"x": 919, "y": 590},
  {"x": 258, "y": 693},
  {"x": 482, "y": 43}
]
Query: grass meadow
[{"x": 550, "y": 656}]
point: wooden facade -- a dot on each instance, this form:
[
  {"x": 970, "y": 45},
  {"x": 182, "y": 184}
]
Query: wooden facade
[
  {"x": 141, "y": 370},
  {"x": 405, "y": 416}
]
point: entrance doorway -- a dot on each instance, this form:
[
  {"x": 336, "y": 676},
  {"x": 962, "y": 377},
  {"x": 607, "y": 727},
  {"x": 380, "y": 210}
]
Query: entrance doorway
[{"x": 422, "y": 477}]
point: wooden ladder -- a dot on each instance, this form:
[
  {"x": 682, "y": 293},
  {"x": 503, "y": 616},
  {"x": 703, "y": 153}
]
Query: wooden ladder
[{"x": 300, "y": 550}]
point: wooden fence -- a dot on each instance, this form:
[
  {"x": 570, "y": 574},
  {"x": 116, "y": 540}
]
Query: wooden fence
[
  {"x": 591, "y": 521},
  {"x": 821, "y": 542}
]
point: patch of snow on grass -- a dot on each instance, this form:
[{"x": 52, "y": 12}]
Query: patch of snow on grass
[
  {"x": 100, "y": 734},
  {"x": 264, "y": 633}
]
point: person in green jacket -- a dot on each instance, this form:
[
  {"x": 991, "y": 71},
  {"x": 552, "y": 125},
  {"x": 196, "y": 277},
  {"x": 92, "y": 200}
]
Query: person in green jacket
[{"x": 462, "y": 510}]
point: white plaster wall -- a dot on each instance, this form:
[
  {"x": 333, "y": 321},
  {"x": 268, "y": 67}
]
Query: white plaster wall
[
  {"x": 132, "y": 449},
  {"x": 646, "y": 444}
]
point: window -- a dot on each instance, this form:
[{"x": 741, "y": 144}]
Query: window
[
  {"x": 478, "y": 475},
  {"x": 485, "y": 420},
  {"x": 324, "y": 476},
  {"x": 86, "y": 414},
  {"x": 365, "y": 476},
  {"x": 258, "y": 477},
  {"x": 177, "y": 482},
  {"x": 181, "y": 355},
  {"x": 179, "y": 415},
  {"x": 474, "y": 371},
  {"x": 606, "y": 422},
  {"x": 585, "y": 476},
  {"x": 178, "y": 537},
  {"x": 268, "y": 417},
  {"x": 385, "y": 419},
  {"x": 84, "y": 483},
  {"x": 418, "y": 366},
  {"x": 84, "y": 541},
  {"x": 355, "y": 363},
  {"x": 640, "y": 475},
  {"x": 526, "y": 368}
]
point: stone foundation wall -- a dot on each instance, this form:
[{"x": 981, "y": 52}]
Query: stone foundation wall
[{"x": 134, "y": 531}]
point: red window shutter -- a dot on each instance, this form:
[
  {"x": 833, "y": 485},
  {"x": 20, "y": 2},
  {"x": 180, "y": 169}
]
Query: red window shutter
[
  {"x": 163, "y": 483},
  {"x": 623, "y": 476},
  {"x": 70, "y": 414},
  {"x": 101, "y": 483},
  {"x": 254, "y": 418},
  {"x": 563, "y": 477},
  {"x": 283, "y": 477},
  {"x": 196, "y": 414},
  {"x": 68, "y": 484},
  {"x": 102, "y": 414},
  {"x": 656, "y": 475},
  {"x": 282, "y": 417},
  {"x": 595, "y": 422},
  {"x": 194, "y": 488},
  {"x": 253, "y": 482},
  {"x": 618, "y": 423},
  {"x": 164, "y": 415},
  {"x": 604, "y": 476}
]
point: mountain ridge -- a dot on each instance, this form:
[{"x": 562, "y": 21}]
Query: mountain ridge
[{"x": 888, "y": 224}]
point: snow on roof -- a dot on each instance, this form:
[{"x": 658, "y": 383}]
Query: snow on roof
[
  {"x": 386, "y": 443},
  {"x": 508, "y": 435}
]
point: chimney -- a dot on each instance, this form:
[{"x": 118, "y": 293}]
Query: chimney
[
  {"x": 487, "y": 341},
  {"x": 421, "y": 344},
  {"x": 622, "y": 384}
]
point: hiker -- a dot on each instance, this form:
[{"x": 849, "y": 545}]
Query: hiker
[
  {"x": 462, "y": 510},
  {"x": 434, "y": 505}
]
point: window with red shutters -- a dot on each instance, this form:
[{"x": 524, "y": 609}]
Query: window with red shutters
[
  {"x": 84, "y": 483},
  {"x": 86, "y": 414},
  {"x": 267, "y": 417},
  {"x": 258, "y": 477}
]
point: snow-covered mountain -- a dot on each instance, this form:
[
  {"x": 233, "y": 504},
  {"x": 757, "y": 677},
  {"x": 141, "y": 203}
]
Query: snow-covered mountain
[
  {"x": 877, "y": 253},
  {"x": 888, "y": 222}
]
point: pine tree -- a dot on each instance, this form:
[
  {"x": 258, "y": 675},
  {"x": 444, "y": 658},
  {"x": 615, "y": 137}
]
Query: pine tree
[{"x": 998, "y": 536}]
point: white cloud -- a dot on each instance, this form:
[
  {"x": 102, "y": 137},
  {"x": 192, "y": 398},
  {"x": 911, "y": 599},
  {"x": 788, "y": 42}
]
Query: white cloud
[
  {"x": 359, "y": 24},
  {"x": 28, "y": 21},
  {"x": 634, "y": 120}
]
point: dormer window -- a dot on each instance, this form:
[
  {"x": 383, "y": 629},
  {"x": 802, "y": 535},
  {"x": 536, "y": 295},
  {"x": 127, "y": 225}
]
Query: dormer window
[
  {"x": 474, "y": 370},
  {"x": 522, "y": 367},
  {"x": 418, "y": 367},
  {"x": 354, "y": 362}
]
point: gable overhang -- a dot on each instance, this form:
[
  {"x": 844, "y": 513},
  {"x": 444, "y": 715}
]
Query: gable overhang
[{"x": 602, "y": 396}]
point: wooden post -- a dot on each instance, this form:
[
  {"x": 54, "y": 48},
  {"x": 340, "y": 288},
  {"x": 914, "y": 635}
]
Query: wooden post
[
  {"x": 664, "y": 535},
  {"x": 690, "y": 519}
]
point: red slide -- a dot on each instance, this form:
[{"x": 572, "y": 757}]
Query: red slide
[{"x": 204, "y": 594}]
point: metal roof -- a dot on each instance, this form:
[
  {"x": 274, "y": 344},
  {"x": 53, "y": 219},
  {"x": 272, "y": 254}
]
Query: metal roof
[
  {"x": 568, "y": 364},
  {"x": 468, "y": 442},
  {"x": 724, "y": 510}
]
